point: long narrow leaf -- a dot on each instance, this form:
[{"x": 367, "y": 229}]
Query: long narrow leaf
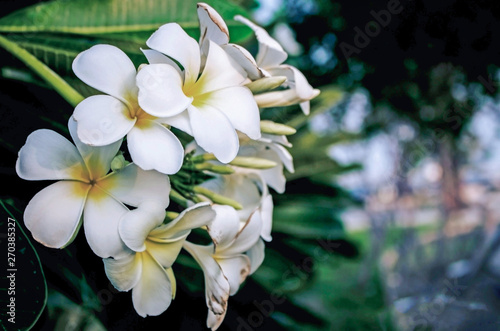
[{"x": 47, "y": 74}]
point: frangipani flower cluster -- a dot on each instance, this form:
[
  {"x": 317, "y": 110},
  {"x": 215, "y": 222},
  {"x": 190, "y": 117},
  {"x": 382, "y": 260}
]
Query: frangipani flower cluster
[{"x": 213, "y": 91}]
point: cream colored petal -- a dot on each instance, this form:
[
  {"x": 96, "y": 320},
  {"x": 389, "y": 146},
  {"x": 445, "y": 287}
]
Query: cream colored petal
[
  {"x": 153, "y": 293},
  {"x": 165, "y": 253},
  {"x": 135, "y": 225},
  {"x": 193, "y": 217},
  {"x": 97, "y": 158}
]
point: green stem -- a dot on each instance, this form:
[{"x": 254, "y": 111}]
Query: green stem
[
  {"x": 178, "y": 198},
  {"x": 47, "y": 74},
  {"x": 203, "y": 158},
  {"x": 217, "y": 198}
]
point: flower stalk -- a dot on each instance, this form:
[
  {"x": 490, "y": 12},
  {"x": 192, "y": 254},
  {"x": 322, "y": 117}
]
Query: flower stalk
[{"x": 271, "y": 127}]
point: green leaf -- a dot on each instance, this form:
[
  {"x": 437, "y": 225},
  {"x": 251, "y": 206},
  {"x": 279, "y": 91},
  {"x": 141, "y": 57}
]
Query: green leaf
[
  {"x": 56, "y": 31},
  {"x": 307, "y": 220},
  {"x": 120, "y": 19},
  {"x": 277, "y": 273},
  {"x": 26, "y": 288},
  {"x": 317, "y": 165},
  {"x": 47, "y": 74}
]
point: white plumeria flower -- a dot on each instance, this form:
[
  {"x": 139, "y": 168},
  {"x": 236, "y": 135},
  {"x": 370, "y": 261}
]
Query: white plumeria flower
[
  {"x": 213, "y": 28},
  {"x": 212, "y": 105},
  {"x": 105, "y": 119},
  {"x": 236, "y": 253},
  {"x": 249, "y": 189},
  {"x": 268, "y": 63},
  {"x": 269, "y": 147},
  {"x": 270, "y": 58},
  {"x": 54, "y": 215},
  {"x": 155, "y": 247}
]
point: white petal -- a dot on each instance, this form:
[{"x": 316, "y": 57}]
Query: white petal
[
  {"x": 97, "y": 158},
  {"x": 212, "y": 27},
  {"x": 152, "y": 146},
  {"x": 155, "y": 57},
  {"x": 306, "y": 107},
  {"x": 296, "y": 80},
  {"x": 101, "y": 217},
  {"x": 49, "y": 156},
  {"x": 256, "y": 254},
  {"x": 124, "y": 273},
  {"x": 170, "y": 39},
  {"x": 239, "y": 105},
  {"x": 225, "y": 225},
  {"x": 102, "y": 120},
  {"x": 160, "y": 90},
  {"x": 107, "y": 69},
  {"x": 284, "y": 156},
  {"x": 173, "y": 282},
  {"x": 214, "y": 321},
  {"x": 180, "y": 121},
  {"x": 216, "y": 285},
  {"x": 270, "y": 51},
  {"x": 165, "y": 253},
  {"x": 274, "y": 177},
  {"x": 218, "y": 72},
  {"x": 246, "y": 238},
  {"x": 214, "y": 132},
  {"x": 134, "y": 186},
  {"x": 272, "y": 138},
  {"x": 191, "y": 218},
  {"x": 217, "y": 184},
  {"x": 54, "y": 214},
  {"x": 153, "y": 293},
  {"x": 135, "y": 225},
  {"x": 236, "y": 269},
  {"x": 244, "y": 59},
  {"x": 266, "y": 215},
  {"x": 243, "y": 188}
]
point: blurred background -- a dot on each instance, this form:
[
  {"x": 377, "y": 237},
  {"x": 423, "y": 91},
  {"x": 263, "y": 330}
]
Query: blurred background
[{"x": 390, "y": 221}]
